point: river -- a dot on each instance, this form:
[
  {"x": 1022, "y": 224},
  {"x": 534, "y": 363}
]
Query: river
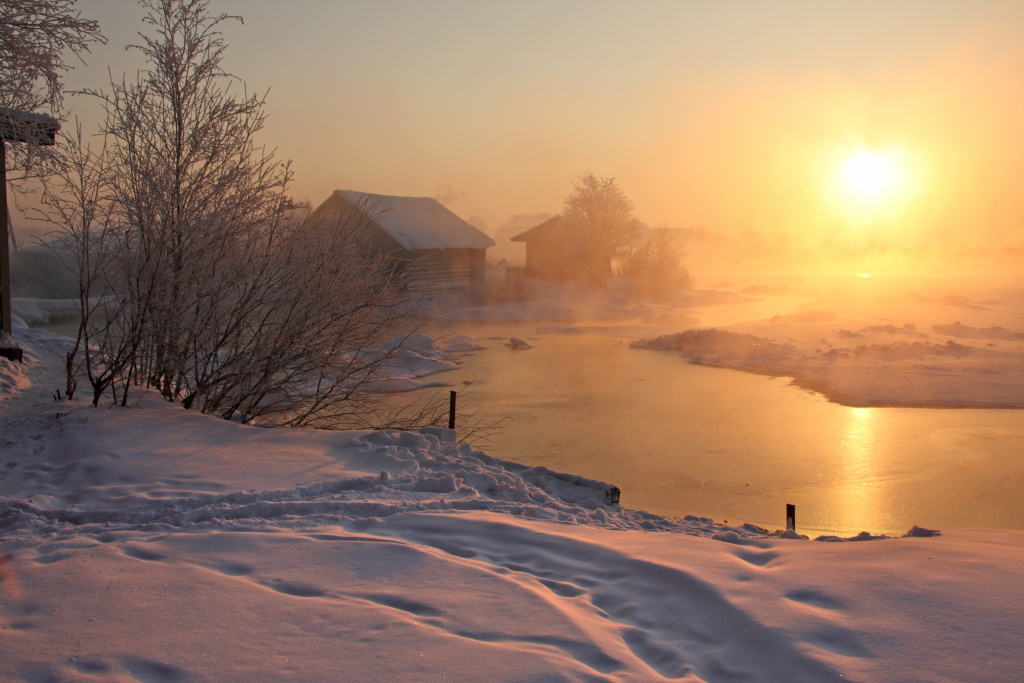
[{"x": 680, "y": 439}]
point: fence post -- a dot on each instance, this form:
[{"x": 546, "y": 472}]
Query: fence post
[
  {"x": 790, "y": 517},
  {"x": 451, "y": 410}
]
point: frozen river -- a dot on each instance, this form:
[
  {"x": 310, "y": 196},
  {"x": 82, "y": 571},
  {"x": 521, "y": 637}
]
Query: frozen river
[{"x": 685, "y": 439}]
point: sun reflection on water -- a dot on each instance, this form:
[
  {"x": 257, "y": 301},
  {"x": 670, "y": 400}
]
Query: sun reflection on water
[{"x": 857, "y": 499}]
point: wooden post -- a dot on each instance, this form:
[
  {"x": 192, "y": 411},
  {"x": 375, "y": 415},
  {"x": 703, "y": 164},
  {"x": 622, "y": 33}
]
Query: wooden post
[
  {"x": 451, "y": 410},
  {"x": 790, "y": 517},
  {"x": 16, "y": 126},
  {"x": 14, "y": 352},
  {"x": 5, "y": 261}
]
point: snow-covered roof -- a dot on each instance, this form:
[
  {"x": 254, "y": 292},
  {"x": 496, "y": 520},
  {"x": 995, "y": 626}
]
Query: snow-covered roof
[
  {"x": 417, "y": 222},
  {"x": 554, "y": 228}
]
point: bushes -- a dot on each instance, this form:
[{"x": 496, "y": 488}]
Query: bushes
[
  {"x": 654, "y": 261},
  {"x": 195, "y": 274}
]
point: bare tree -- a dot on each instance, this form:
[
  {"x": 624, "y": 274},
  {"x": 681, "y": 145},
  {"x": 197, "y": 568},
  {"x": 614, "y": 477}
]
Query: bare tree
[
  {"x": 195, "y": 276},
  {"x": 76, "y": 199},
  {"x": 604, "y": 221},
  {"x": 187, "y": 174},
  {"x": 37, "y": 38},
  {"x": 303, "y": 327}
]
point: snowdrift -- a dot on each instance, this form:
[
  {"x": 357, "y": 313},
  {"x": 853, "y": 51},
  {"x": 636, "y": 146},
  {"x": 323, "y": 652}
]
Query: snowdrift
[{"x": 156, "y": 544}]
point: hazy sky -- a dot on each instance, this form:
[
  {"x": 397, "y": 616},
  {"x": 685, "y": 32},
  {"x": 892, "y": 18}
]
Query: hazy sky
[{"x": 726, "y": 114}]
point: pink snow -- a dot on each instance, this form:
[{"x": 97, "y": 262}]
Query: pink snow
[{"x": 153, "y": 543}]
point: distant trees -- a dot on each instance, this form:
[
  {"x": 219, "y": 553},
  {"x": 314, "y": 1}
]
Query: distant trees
[
  {"x": 196, "y": 276},
  {"x": 654, "y": 262},
  {"x": 612, "y": 240},
  {"x": 604, "y": 221}
]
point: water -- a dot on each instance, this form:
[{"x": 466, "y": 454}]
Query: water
[{"x": 685, "y": 439}]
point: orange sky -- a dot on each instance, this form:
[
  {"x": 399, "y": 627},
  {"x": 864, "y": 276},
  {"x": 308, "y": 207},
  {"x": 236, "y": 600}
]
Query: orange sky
[{"x": 732, "y": 115}]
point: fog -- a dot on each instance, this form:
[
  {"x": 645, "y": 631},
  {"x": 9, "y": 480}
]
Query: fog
[
  {"x": 842, "y": 183},
  {"x": 779, "y": 262},
  {"x": 731, "y": 119},
  {"x": 867, "y": 401}
]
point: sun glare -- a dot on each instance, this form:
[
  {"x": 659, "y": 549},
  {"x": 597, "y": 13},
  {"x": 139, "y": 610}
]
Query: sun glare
[
  {"x": 871, "y": 176},
  {"x": 871, "y": 185}
]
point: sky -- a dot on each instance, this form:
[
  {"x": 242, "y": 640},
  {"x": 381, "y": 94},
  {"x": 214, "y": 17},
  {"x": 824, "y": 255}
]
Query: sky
[{"x": 736, "y": 117}]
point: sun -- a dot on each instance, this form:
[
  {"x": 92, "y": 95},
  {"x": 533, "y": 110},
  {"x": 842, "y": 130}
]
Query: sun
[
  {"x": 871, "y": 176},
  {"x": 871, "y": 186}
]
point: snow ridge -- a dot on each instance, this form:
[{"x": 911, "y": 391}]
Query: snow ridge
[{"x": 424, "y": 472}]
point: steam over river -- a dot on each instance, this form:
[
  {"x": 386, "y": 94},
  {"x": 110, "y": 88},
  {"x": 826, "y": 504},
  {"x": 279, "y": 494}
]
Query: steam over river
[{"x": 681, "y": 439}]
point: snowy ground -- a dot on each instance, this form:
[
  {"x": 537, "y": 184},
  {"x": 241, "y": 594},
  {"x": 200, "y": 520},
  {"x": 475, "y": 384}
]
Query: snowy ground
[{"x": 155, "y": 544}]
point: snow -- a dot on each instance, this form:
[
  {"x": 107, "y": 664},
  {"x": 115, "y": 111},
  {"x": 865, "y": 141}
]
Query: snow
[
  {"x": 413, "y": 356},
  {"x": 11, "y": 376},
  {"x": 460, "y": 343},
  {"x": 888, "y": 349},
  {"x": 34, "y": 312},
  {"x": 156, "y": 544},
  {"x": 419, "y": 222}
]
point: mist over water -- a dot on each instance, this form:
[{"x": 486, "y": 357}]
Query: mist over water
[{"x": 680, "y": 438}]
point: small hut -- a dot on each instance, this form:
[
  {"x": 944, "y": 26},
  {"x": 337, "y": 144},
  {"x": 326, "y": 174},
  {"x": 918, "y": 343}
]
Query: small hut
[
  {"x": 439, "y": 250},
  {"x": 556, "y": 252}
]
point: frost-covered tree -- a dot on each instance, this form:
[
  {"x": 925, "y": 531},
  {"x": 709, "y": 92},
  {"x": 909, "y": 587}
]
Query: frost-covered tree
[
  {"x": 76, "y": 199},
  {"x": 654, "y": 262},
  {"x": 38, "y": 39},
  {"x": 604, "y": 222},
  {"x": 187, "y": 175},
  {"x": 209, "y": 285},
  {"x": 610, "y": 239}
]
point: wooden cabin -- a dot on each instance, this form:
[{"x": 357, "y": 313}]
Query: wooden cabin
[
  {"x": 556, "y": 252},
  {"x": 439, "y": 251}
]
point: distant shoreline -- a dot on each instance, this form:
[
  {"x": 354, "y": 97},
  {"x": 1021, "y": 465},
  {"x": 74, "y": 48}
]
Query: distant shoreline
[{"x": 851, "y": 401}]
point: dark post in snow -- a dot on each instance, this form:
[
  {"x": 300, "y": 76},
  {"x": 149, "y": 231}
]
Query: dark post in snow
[
  {"x": 790, "y": 517},
  {"x": 451, "y": 410},
  {"x": 16, "y": 126},
  {"x": 612, "y": 495},
  {"x": 5, "y": 259}
]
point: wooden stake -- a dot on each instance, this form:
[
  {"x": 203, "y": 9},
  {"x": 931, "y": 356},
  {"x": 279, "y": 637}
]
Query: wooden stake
[
  {"x": 451, "y": 410},
  {"x": 5, "y": 263}
]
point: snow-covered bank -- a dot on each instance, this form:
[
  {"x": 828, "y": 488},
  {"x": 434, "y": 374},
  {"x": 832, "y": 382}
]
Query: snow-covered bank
[
  {"x": 153, "y": 543},
  {"x": 887, "y": 351},
  {"x": 37, "y": 312}
]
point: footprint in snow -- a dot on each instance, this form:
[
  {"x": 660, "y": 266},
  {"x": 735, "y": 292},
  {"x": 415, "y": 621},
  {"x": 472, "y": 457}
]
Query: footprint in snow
[
  {"x": 397, "y": 602},
  {"x": 148, "y": 671},
  {"x": 565, "y": 590},
  {"x": 142, "y": 554},
  {"x": 815, "y": 598},
  {"x": 235, "y": 569},
  {"x": 758, "y": 559},
  {"x": 89, "y": 666},
  {"x": 298, "y": 590},
  {"x": 839, "y": 641}
]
